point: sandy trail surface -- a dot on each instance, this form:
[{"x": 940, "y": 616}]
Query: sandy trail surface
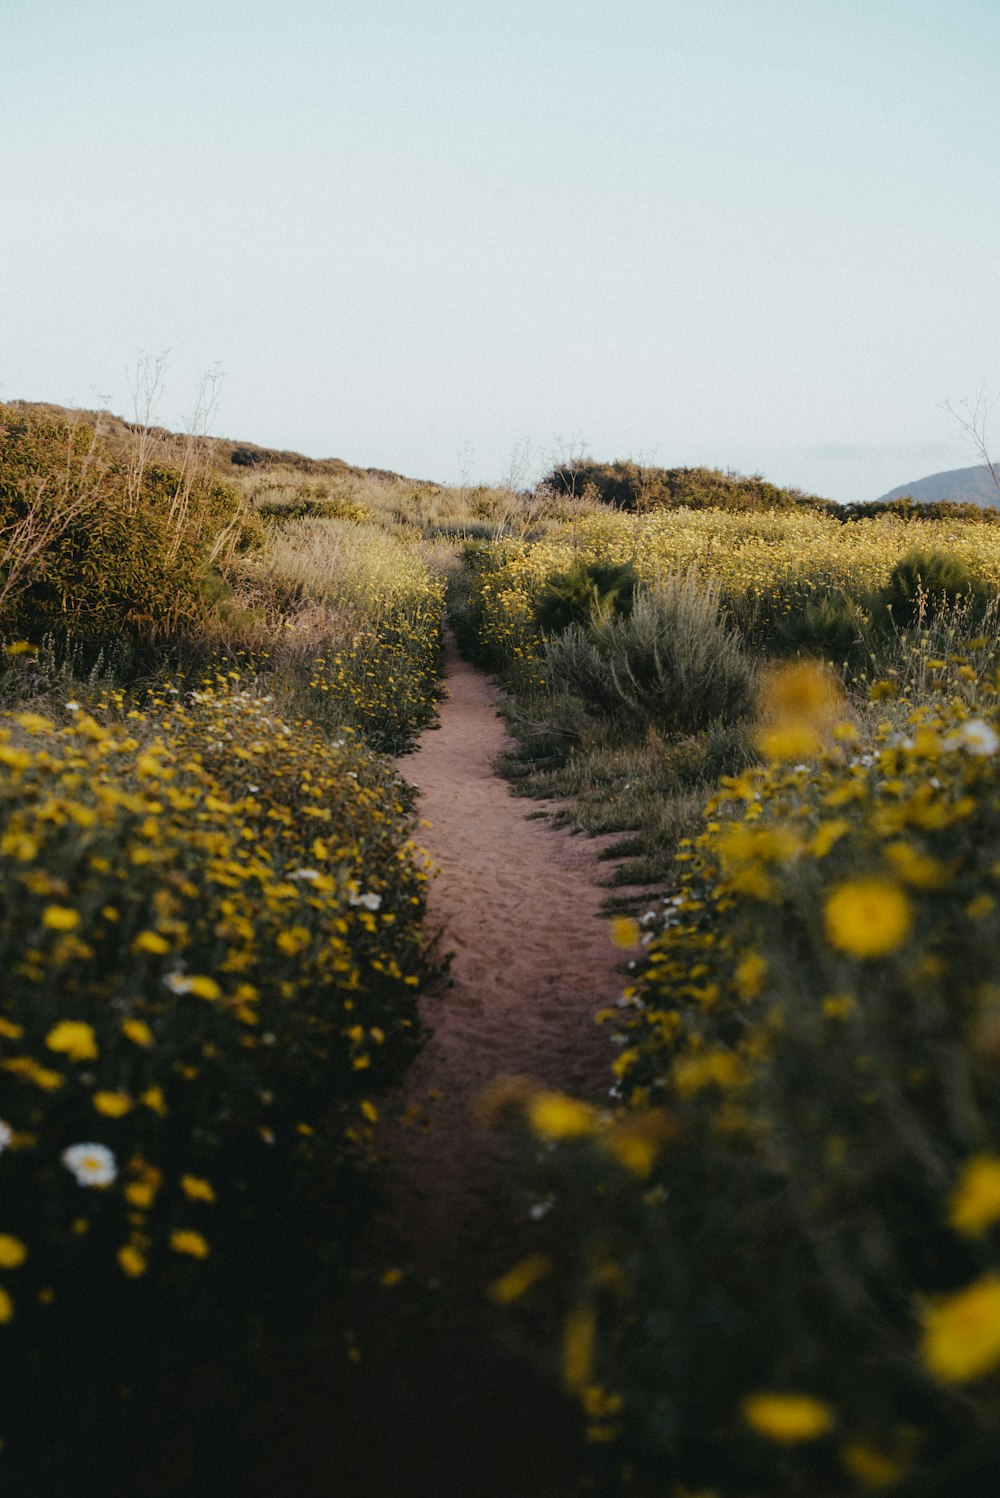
[
  {"x": 519, "y": 908},
  {"x": 439, "y": 1410}
]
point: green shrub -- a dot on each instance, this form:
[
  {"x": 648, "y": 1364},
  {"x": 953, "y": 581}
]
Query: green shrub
[
  {"x": 671, "y": 662},
  {"x": 586, "y": 593},
  {"x": 924, "y": 584},
  {"x": 638, "y": 487},
  {"x": 94, "y": 548},
  {"x": 792, "y": 618}
]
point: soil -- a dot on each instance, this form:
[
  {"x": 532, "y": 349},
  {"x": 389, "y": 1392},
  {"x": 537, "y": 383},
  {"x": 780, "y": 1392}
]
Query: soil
[{"x": 438, "y": 1409}]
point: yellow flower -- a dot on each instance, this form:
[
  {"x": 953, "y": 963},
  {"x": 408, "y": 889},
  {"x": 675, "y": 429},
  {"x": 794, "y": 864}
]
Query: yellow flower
[
  {"x": 74, "y": 1039},
  {"x": 915, "y": 868},
  {"x": 788, "y": 1418},
  {"x": 33, "y": 722},
  {"x": 131, "y": 1261},
  {"x": 579, "y": 1335},
  {"x": 6, "y": 1307},
  {"x": 789, "y": 741},
  {"x": 153, "y": 1098},
  {"x": 204, "y": 988},
  {"x": 187, "y": 1241},
  {"x": 750, "y": 974},
  {"x": 196, "y": 1189},
  {"x": 60, "y": 918},
  {"x": 961, "y": 1335},
  {"x": 140, "y": 1194},
  {"x": 798, "y": 706},
  {"x": 137, "y": 1031},
  {"x": 151, "y": 941},
  {"x": 113, "y": 1104},
  {"x": 715, "y": 1068},
  {"x": 519, "y": 1279},
  {"x": 802, "y": 691},
  {"x": 975, "y": 1201},
  {"x": 636, "y": 1142},
  {"x": 625, "y": 931},
  {"x": 556, "y": 1116},
  {"x": 868, "y": 917},
  {"x": 12, "y": 1251},
  {"x": 873, "y": 1468}
]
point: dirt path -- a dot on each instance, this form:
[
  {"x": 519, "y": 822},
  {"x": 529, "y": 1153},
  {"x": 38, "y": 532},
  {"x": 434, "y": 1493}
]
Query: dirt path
[
  {"x": 532, "y": 962},
  {"x": 439, "y": 1411}
]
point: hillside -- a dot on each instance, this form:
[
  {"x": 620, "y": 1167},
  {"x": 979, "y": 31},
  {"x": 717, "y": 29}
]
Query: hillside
[
  {"x": 223, "y": 453},
  {"x": 971, "y": 486}
]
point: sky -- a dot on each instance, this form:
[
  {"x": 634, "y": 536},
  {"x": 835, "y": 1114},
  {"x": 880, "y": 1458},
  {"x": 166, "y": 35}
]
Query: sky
[{"x": 459, "y": 240}]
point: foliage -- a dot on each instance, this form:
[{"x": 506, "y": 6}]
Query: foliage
[
  {"x": 790, "y": 581},
  {"x": 357, "y": 617},
  {"x": 638, "y": 487},
  {"x": 119, "y": 555},
  {"x": 585, "y": 594},
  {"x": 670, "y": 662},
  {"x": 917, "y": 509},
  {"x": 926, "y": 583},
  {"x": 212, "y": 946},
  {"x": 783, "y": 1244}
]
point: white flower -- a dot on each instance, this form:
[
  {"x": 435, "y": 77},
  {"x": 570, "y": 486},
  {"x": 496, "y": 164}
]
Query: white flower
[
  {"x": 304, "y": 874},
  {"x": 73, "y": 707},
  {"x": 541, "y": 1209},
  {"x": 91, "y": 1164},
  {"x": 370, "y": 901},
  {"x": 978, "y": 737},
  {"x": 176, "y": 982},
  {"x": 6, "y": 1135}
]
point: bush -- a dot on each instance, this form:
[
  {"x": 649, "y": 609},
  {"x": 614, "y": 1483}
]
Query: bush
[
  {"x": 924, "y": 584},
  {"x": 775, "y": 1269},
  {"x": 586, "y": 593},
  {"x": 211, "y": 939},
  {"x": 670, "y": 662},
  {"x": 791, "y": 619},
  {"x": 637, "y": 487},
  {"x": 96, "y": 550}
]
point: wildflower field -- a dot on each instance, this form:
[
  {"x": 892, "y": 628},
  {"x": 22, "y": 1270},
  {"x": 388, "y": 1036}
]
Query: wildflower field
[
  {"x": 211, "y": 931},
  {"x": 766, "y": 1259},
  {"x": 771, "y": 1264}
]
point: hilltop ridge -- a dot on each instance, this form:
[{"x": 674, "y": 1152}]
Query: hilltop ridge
[{"x": 970, "y": 486}]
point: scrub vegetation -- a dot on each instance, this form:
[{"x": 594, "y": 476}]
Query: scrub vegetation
[{"x": 769, "y": 1263}]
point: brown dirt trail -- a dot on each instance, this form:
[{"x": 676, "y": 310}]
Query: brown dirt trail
[
  {"x": 532, "y": 961},
  {"x": 440, "y": 1411}
]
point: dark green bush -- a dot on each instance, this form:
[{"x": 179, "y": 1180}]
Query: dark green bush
[
  {"x": 925, "y": 583},
  {"x": 637, "y": 487},
  {"x": 671, "y": 662},
  {"x": 586, "y": 593},
  {"x": 794, "y": 618}
]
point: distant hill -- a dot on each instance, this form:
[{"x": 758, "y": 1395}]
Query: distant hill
[
  {"x": 969, "y": 486},
  {"x": 222, "y": 452}
]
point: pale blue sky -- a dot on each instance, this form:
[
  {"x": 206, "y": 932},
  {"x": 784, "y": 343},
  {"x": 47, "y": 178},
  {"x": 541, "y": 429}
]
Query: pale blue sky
[{"x": 753, "y": 233}]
